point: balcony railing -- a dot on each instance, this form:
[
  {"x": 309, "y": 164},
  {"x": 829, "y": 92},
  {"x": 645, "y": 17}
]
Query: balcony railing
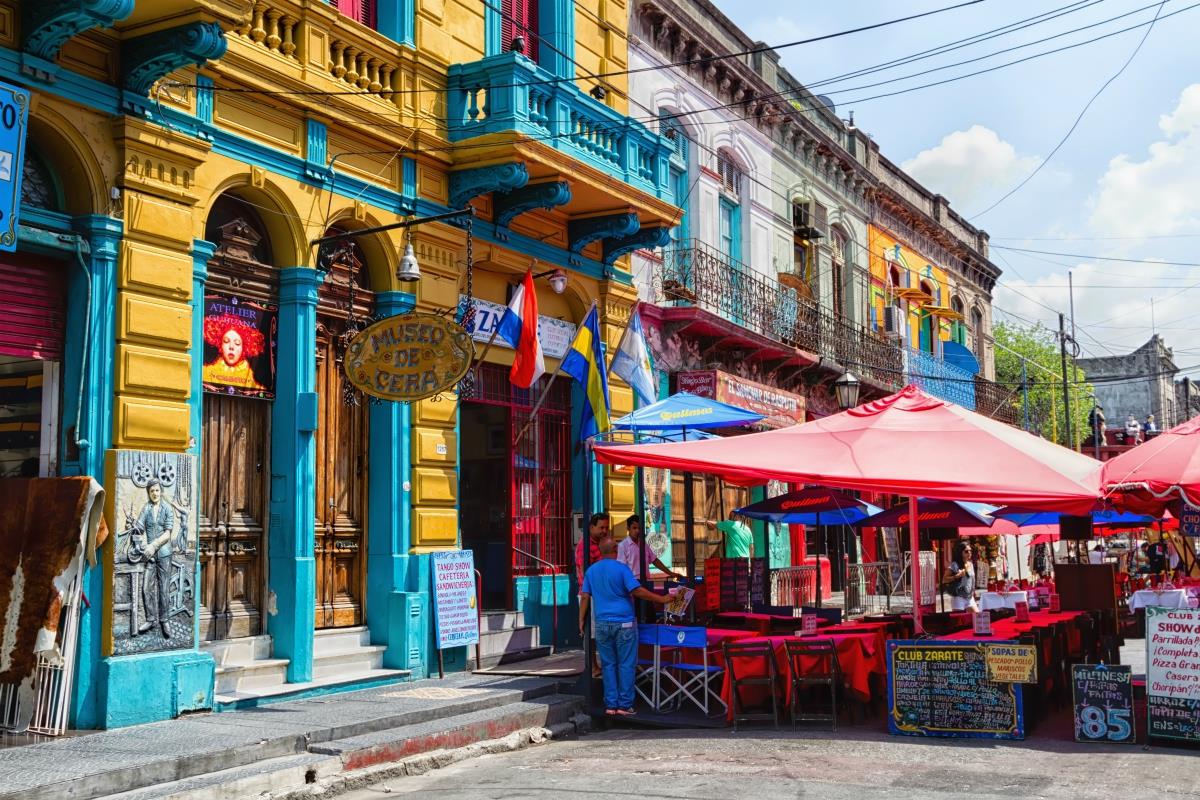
[
  {"x": 508, "y": 92},
  {"x": 695, "y": 274}
]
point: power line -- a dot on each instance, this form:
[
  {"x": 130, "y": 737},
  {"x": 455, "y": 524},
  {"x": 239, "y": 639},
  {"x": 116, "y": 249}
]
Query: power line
[
  {"x": 1079, "y": 118},
  {"x": 1099, "y": 258}
]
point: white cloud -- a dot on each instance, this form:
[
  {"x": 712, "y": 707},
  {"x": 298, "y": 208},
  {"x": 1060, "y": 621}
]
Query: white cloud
[
  {"x": 970, "y": 167},
  {"x": 1158, "y": 195}
]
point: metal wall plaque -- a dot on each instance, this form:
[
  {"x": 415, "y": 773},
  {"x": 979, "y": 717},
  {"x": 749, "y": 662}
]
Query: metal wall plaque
[{"x": 409, "y": 357}]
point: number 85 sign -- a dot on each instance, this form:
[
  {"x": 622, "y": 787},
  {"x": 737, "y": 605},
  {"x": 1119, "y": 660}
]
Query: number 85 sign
[
  {"x": 1095, "y": 724},
  {"x": 1103, "y": 703}
]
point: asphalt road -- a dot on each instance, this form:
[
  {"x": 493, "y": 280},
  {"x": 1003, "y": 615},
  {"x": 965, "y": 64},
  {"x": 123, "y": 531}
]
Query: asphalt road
[{"x": 857, "y": 764}]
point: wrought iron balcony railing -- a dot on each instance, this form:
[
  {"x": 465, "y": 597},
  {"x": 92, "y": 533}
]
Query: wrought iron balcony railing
[
  {"x": 508, "y": 92},
  {"x": 695, "y": 274}
]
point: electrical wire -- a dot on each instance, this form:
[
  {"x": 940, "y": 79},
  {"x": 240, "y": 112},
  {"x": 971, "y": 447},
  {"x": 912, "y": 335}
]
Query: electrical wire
[{"x": 1041, "y": 164}]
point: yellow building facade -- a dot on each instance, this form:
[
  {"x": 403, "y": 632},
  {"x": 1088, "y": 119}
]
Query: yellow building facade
[{"x": 192, "y": 151}]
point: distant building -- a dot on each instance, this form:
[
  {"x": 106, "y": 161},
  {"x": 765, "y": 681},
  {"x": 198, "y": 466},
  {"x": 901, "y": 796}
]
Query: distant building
[{"x": 1140, "y": 383}]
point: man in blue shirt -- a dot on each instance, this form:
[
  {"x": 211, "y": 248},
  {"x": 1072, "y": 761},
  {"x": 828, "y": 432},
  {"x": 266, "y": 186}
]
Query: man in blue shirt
[{"x": 611, "y": 586}]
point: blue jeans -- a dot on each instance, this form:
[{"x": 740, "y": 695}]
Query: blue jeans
[{"x": 616, "y": 644}]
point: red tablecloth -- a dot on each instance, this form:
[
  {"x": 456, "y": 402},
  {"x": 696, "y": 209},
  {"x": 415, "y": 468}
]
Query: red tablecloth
[
  {"x": 762, "y": 622},
  {"x": 858, "y": 656},
  {"x": 1009, "y": 628}
]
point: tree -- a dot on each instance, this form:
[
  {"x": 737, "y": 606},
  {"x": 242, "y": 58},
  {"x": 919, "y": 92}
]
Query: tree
[{"x": 1041, "y": 403}]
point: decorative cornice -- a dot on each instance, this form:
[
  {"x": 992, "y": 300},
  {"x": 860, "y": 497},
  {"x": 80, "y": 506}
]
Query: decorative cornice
[
  {"x": 582, "y": 232},
  {"x": 48, "y": 24},
  {"x": 509, "y": 205},
  {"x": 616, "y": 247},
  {"x": 150, "y": 57},
  {"x": 467, "y": 184}
]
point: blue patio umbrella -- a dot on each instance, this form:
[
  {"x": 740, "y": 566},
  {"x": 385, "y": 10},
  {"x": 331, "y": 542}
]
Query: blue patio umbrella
[
  {"x": 686, "y": 411},
  {"x": 1102, "y": 518}
]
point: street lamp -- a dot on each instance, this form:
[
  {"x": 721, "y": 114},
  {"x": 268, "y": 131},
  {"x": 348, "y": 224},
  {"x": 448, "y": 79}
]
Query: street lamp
[
  {"x": 409, "y": 270},
  {"x": 847, "y": 388},
  {"x": 558, "y": 279}
]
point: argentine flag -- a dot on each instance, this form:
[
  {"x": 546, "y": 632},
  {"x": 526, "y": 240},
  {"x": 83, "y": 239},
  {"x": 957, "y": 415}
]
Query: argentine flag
[{"x": 631, "y": 362}]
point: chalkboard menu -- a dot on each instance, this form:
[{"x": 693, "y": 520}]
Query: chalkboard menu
[
  {"x": 1173, "y": 673},
  {"x": 942, "y": 689},
  {"x": 735, "y": 584},
  {"x": 711, "y": 600},
  {"x": 759, "y": 589},
  {"x": 1103, "y": 703}
]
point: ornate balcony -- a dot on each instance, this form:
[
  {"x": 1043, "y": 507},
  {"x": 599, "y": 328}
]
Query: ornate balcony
[
  {"x": 696, "y": 275},
  {"x": 563, "y": 135}
]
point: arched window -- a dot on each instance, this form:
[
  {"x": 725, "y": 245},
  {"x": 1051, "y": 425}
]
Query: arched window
[
  {"x": 959, "y": 327},
  {"x": 840, "y": 273},
  {"x": 928, "y": 325},
  {"x": 249, "y": 234},
  {"x": 729, "y": 218},
  {"x": 680, "y": 171},
  {"x": 977, "y": 333},
  {"x": 39, "y": 189}
]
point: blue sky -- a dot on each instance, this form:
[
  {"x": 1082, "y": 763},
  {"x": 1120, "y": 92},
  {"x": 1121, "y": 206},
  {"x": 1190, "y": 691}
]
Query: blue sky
[{"x": 1125, "y": 185}]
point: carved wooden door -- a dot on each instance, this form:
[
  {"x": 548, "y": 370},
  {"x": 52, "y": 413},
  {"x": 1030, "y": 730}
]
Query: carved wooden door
[
  {"x": 232, "y": 532},
  {"x": 340, "y": 543}
]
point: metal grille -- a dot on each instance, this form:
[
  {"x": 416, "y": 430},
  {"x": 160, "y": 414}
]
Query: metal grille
[
  {"x": 540, "y": 467},
  {"x": 868, "y": 589},
  {"x": 794, "y": 586}
]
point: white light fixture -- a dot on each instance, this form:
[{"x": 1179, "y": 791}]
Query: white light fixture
[
  {"x": 558, "y": 281},
  {"x": 409, "y": 270},
  {"x": 847, "y": 388}
]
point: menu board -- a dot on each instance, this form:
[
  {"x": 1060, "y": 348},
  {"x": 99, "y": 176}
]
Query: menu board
[
  {"x": 710, "y": 599},
  {"x": 942, "y": 689},
  {"x": 734, "y": 584},
  {"x": 1103, "y": 698},
  {"x": 759, "y": 582},
  {"x": 1173, "y": 673},
  {"x": 455, "y": 616}
]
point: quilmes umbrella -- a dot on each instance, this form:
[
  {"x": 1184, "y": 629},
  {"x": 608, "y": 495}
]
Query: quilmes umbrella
[
  {"x": 1157, "y": 472},
  {"x": 1104, "y": 518},
  {"x": 908, "y": 443},
  {"x": 811, "y": 506},
  {"x": 930, "y": 514},
  {"x": 685, "y": 411}
]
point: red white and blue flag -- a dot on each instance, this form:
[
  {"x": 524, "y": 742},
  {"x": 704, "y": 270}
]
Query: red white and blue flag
[{"x": 519, "y": 327}]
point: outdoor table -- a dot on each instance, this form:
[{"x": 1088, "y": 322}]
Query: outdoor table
[
  {"x": 990, "y": 600},
  {"x": 1008, "y": 629},
  {"x": 858, "y": 656},
  {"x": 1165, "y": 598},
  {"x": 761, "y": 623}
]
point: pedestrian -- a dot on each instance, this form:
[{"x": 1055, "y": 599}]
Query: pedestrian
[
  {"x": 1097, "y": 422},
  {"x": 960, "y": 580},
  {"x": 1156, "y": 556},
  {"x": 631, "y": 555},
  {"x": 598, "y": 525},
  {"x": 1096, "y": 555},
  {"x": 738, "y": 538},
  {"x": 608, "y": 591}
]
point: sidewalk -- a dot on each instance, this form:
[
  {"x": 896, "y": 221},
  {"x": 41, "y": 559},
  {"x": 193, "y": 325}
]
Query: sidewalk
[{"x": 312, "y": 737}]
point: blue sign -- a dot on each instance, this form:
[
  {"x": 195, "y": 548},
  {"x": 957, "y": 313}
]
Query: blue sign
[
  {"x": 14, "y": 122},
  {"x": 1189, "y": 520},
  {"x": 455, "y": 609}
]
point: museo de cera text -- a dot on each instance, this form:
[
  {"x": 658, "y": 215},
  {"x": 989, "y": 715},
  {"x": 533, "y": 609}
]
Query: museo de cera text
[{"x": 409, "y": 357}]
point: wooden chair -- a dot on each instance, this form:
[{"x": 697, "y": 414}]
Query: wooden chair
[
  {"x": 764, "y": 653},
  {"x": 828, "y": 673}
]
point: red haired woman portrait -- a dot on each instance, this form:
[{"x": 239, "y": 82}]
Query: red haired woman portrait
[{"x": 235, "y": 342}]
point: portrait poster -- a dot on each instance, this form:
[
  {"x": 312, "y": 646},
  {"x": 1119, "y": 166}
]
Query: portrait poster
[
  {"x": 239, "y": 346},
  {"x": 153, "y": 510}
]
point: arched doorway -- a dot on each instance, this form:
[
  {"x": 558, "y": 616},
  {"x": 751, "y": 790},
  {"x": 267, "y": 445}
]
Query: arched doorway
[
  {"x": 345, "y": 305},
  {"x": 239, "y": 344}
]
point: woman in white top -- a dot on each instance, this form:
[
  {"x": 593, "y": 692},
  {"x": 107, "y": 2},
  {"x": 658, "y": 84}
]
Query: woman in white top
[{"x": 961, "y": 580}]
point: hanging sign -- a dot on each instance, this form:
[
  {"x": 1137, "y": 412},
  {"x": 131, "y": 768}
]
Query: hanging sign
[
  {"x": 780, "y": 408},
  {"x": 409, "y": 357},
  {"x": 456, "y": 617},
  {"x": 239, "y": 346},
  {"x": 1173, "y": 673},
  {"x": 14, "y": 118},
  {"x": 1103, "y": 697}
]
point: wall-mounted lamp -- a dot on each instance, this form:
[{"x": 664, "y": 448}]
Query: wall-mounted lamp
[
  {"x": 847, "y": 388},
  {"x": 558, "y": 279},
  {"x": 330, "y": 248}
]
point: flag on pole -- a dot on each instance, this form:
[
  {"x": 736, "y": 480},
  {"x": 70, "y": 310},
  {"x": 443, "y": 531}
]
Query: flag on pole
[
  {"x": 585, "y": 363},
  {"x": 519, "y": 327},
  {"x": 631, "y": 362}
]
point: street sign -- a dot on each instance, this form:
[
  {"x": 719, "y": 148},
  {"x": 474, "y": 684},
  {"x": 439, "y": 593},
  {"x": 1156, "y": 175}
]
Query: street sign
[{"x": 14, "y": 123}]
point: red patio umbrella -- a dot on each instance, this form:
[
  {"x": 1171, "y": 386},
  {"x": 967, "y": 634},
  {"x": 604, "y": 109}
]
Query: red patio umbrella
[
  {"x": 908, "y": 443},
  {"x": 1157, "y": 472}
]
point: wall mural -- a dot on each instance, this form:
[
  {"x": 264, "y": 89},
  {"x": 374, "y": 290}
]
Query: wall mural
[
  {"x": 154, "y": 512},
  {"x": 674, "y": 353},
  {"x": 239, "y": 346}
]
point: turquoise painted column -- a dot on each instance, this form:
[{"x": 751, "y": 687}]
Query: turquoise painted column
[
  {"x": 556, "y": 47},
  {"x": 394, "y": 615},
  {"x": 202, "y": 253},
  {"x": 92, "y": 298},
  {"x": 292, "y": 581},
  {"x": 397, "y": 20}
]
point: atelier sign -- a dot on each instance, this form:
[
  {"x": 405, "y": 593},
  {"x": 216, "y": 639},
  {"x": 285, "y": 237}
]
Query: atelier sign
[{"x": 409, "y": 357}]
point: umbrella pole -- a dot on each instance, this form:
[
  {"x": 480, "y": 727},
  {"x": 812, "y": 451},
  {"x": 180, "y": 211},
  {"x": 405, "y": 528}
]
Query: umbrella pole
[
  {"x": 1017, "y": 540},
  {"x": 914, "y": 545},
  {"x": 820, "y": 551},
  {"x": 689, "y": 520}
]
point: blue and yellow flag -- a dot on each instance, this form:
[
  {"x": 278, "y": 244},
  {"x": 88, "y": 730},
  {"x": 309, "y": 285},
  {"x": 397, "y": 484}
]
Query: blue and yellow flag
[{"x": 585, "y": 363}]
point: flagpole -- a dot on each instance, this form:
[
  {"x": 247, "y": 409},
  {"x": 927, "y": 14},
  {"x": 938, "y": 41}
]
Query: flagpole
[{"x": 538, "y": 405}]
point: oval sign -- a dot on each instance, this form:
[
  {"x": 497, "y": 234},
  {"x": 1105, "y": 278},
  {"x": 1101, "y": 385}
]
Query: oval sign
[{"x": 409, "y": 357}]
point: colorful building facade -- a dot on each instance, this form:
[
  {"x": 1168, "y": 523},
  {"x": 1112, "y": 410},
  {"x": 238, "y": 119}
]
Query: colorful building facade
[{"x": 182, "y": 157}]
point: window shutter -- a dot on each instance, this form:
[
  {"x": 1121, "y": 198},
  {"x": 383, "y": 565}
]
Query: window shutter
[
  {"x": 358, "y": 10},
  {"x": 820, "y": 218},
  {"x": 519, "y": 18}
]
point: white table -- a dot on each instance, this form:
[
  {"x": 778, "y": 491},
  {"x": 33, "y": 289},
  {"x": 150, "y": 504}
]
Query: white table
[
  {"x": 1169, "y": 598},
  {"x": 990, "y": 600}
]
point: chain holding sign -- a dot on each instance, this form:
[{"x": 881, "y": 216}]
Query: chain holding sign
[{"x": 409, "y": 357}]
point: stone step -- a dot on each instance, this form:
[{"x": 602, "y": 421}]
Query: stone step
[
  {"x": 255, "y": 674},
  {"x": 238, "y": 651},
  {"x": 339, "y": 639},
  {"x": 351, "y": 661},
  {"x": 331, "y": 764},
  {"x": 254, "y": 696},
  {"x": 512, "y": 656},
  {"x": 501, "y": 620},
  {"x": 495, "y": 642}
]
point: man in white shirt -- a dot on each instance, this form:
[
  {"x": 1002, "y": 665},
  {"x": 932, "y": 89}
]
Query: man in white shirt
[
  {"x": 1133, "y": 430},
  {"x": 627, "y": 551}
]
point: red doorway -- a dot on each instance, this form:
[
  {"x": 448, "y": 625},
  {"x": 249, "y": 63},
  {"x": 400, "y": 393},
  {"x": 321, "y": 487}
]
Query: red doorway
[{"x": 515, "y": 499}]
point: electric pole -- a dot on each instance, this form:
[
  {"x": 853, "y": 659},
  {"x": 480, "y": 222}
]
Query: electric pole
[{"x": 1062, "y": 343}]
